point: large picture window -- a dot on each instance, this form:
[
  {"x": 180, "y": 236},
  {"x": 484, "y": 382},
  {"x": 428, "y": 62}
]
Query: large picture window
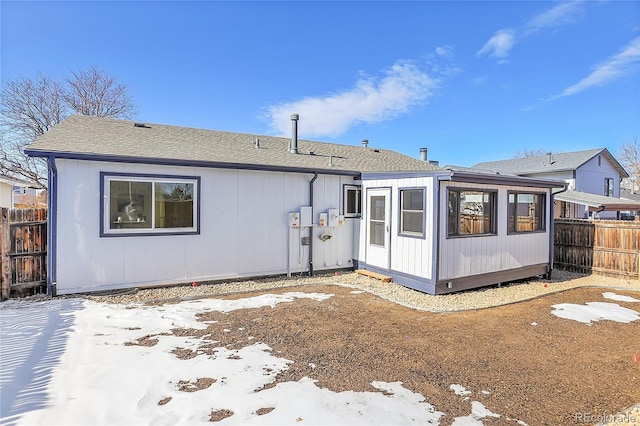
[
  {"x": 471, "y": 212},
  {"x": 143, "y": 204},
  {"x": 526, "y": 212},
  {"x": 352, "y": 201},
  {"x": 412, "y": 212}
]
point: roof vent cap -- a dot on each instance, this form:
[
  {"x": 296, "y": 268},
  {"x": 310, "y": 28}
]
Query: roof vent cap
[{"x": 142, "y": 125}]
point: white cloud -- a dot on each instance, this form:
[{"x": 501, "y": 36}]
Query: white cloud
[
  {"x": 499, "y": 45},
  {"x": 403, "y": 86},
  {"x": 445, "y": 51},
  {"x": 616, "y": 66},
  {"x": 561, "y": 14}
]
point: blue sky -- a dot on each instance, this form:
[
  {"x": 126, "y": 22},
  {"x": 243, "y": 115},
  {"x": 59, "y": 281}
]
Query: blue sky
[{"x": 471, "y": 81}]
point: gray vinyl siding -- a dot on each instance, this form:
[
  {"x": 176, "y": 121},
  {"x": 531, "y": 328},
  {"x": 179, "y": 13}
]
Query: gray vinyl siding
[
  {"x": 243, "y": 229},
  {"x": 483, "y": 254}
]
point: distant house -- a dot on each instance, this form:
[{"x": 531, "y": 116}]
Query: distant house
[
  {"x": 593, "y": 178},
  {"x": 10, "y": 189},
  {"x": 137, "y": 204},
  {"x": 634, "y": 196}
]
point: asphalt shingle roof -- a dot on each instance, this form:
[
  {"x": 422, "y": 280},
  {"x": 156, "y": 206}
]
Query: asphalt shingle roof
[
  {"x": 102, "y": 137},
  {"x": 594, "y": 200},
  {"x": 541, "y": 164}
]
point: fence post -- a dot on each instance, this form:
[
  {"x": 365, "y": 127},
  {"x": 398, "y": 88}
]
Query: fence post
[{"x": 6, "y": 248}]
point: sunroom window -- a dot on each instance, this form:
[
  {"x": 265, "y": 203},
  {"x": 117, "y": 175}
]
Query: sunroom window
[
  {"x": 143, "y": 204},
  {"x": 526, "y": 212},
  {"x": 471, "y": 212},
  {"x": 412, "y": 212}
]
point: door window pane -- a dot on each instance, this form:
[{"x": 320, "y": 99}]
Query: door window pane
[{"x": 377, "y": 220}]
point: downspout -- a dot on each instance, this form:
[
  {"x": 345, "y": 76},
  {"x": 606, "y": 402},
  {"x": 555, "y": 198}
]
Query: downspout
[
  {"x": 315, "y": 176},
  {"x": 52, "y": 203},
  {"x": 552, "y": 229}
]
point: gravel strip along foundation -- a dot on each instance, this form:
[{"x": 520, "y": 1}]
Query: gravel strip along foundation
[{"x": 473, "y": 299}]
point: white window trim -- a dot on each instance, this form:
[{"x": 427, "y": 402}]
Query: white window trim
[
  {"x": 358, "y": 190},
  {"x": 401, "y": 230}
]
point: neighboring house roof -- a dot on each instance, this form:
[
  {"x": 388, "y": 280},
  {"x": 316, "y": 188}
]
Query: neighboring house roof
[
  {"x": 549, "y": 163},
  {"x": 598, "y": 202},
  {"x": 625, "y": 193},
  {"x": 469, "y": 175},
  {"x": 13, "y": 181},
  {"x": 103, "y": 139}
]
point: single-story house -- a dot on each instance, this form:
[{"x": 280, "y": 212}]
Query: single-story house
[
  {"x": 9, "y": 188},
  {"x": 136, "y": 204}
]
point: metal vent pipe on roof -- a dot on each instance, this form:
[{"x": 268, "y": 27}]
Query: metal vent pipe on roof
[
  {"x": 365, "y": 143},
  {"x": 423, "y": 154},
  {"x": 294, "y": 133}
]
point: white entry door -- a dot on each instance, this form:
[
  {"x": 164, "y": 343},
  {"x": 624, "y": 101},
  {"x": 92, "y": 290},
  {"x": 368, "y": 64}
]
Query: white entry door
[{"x": 378, "y": 227}]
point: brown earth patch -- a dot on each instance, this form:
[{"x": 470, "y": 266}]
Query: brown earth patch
[
  {"x": 197, "y": 385},
  {"x": 542, "y": 374},
  {"x": 265, "y": 410},
  {"x": 165, "y": 401},
  {"x": 143, "y": 341},
  {"x": 219, "y": 415}
]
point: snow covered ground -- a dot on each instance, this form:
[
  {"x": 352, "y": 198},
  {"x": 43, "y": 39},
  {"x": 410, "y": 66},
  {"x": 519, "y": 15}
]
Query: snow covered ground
[
  {"x": 597, "y": 311},
  {"x": 71, "y": 362}
]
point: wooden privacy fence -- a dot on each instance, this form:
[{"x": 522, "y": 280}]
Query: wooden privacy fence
[
  {"x": 606, "y": 247},
  {"x": 23, "y": 251}
]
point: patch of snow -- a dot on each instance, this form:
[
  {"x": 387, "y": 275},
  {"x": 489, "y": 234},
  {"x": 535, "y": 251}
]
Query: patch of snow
[
  {"x": 356, "y": 292},
  {"x": 619, "y": 297},
  {"x": 478, "y": 412},
  {"x": 467, "y": 421},
  {"x": 74, "y": 361},
  {"x": 534, "y": 323},
  {"x": 459, "y": 390},
  {"x": 595, "y": 311}
]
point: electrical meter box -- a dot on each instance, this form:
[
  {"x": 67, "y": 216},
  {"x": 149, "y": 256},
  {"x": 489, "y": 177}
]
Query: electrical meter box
[
  {"x": 306, "y": 218},
  {"x": 294, "y": 219},
  {"x": 333, "y": 217},
  {"x": 322, "y": 220}
]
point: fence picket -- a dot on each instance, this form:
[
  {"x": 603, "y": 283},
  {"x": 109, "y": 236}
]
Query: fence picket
[{"x": 23, "y": 251}]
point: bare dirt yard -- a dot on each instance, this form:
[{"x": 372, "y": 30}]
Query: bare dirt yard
[{"x": 518, "y": 360}]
